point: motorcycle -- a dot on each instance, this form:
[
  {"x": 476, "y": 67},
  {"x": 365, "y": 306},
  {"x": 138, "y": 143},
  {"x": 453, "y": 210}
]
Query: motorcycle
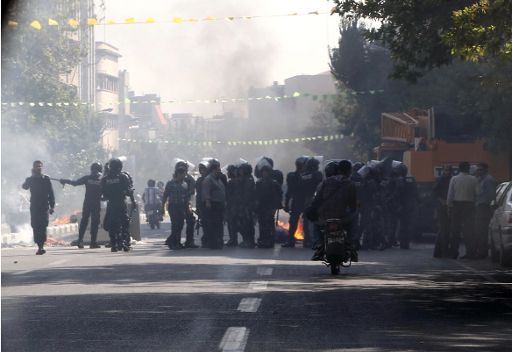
[
  {"x": 153, "y": 218},
  {"x": 337, "y": 248}
]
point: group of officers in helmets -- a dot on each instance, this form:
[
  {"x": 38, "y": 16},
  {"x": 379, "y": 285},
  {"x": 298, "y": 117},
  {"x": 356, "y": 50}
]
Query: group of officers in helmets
[{"x": 376, "y": 201}]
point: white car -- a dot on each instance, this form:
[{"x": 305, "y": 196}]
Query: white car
[{"x": 500, "y": 227}]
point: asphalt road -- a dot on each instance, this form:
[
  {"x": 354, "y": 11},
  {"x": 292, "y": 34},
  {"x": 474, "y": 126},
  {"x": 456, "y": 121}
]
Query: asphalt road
[{"x": 154, "y": 299}]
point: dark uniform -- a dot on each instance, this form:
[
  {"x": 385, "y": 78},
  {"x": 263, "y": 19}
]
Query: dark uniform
[
  {"x": 233, "y": 202},
  {"x": 42, "y": 200},
  {"x": 440, "y": 193},
  {"x": 92, "y": 205},
  {"x": 407, "y": 193},
  {"x": 309, "y": 183},
  {"x": 189, "y": 215},
  {"x": 336, "y": 199},
  {"x": 214, "y": 192},
  {"x": 177, "y": 196},
  {"x": 245, "y": 211},
  {"x": 116, "y": 186},
  {"x": 268, "y": 200}
]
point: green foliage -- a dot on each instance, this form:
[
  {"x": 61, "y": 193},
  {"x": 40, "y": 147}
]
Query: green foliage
[
  {"x": 470, "y": 99},
  {"x": 33, "y": 65},
  {"x": 482, "y": 30}
]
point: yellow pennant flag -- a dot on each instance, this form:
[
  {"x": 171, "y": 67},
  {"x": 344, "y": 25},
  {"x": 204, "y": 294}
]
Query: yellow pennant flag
[
  {"x": 177, "y": 20},
  {"x": 150, "y": 20},
  {"x": 52, "y": 22},
  {"x": 111, "y": 21},
  {"x": 130, "y": 20},
  {"x": 209, "y": 18},
  {"x": 36, "y": 25},
  {"x": 192, "y": 20},
  {"x": 73, "y": 23},
  {"x": 92, "y": 22}
]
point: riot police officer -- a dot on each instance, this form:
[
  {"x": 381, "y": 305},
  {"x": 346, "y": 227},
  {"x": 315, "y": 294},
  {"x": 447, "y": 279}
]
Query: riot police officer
[
  {"x": 176, "y": 195},
  {"x": 116, "y": 186},
  {"x": 268, "y": 201},
  {"x": 247, "y": 191},
  {"x": 294, "y": 199},
  {"x": 92, "y": 203},
  {"x": 232, "y": 205},
  {"x": 310, "y": 180},
  {"x": 214, "y": 197},
  {"x": 190, "y": 185},
  {"x": 42, "y": 203}
]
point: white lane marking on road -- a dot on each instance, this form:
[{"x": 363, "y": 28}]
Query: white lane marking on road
[
  {"x": 258, "y": 285},
  {"x": 234, "y": 339},
  {"x": 57, "y": 262},
  {"x": 264, "y": 271},
  {"x": 50, "y": 265},
  {"x": 249, "y": 305}
]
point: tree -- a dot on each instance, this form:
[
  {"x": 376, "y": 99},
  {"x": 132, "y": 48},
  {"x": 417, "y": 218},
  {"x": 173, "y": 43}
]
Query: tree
[
  {"x": 422, "y": 35},
  {"x": 471, "y": 99}
]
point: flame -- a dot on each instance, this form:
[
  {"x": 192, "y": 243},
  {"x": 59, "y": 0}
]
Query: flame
[
  {"x": 299, "y": 233},
  {"x": 66, "y": 219}
]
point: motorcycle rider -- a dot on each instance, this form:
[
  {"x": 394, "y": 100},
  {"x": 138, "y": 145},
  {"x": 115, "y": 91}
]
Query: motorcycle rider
[
  {"x": 268, "y": 200},
  {"x": 152, "y": 201},
  {"x": 294, "y": 199},
  {"x": 42, "y": 203},
  {"x": 336, "y": 198},
  {"x": 92, "y": 203},
  {"x": 115, "y": 187}
]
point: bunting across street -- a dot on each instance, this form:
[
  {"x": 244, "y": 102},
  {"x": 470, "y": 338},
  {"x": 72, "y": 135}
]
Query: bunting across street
[{"x": 39, "y": 24}]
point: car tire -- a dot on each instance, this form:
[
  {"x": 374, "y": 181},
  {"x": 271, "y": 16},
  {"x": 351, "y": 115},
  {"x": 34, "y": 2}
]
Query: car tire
[{"x": 505, "y": 258}]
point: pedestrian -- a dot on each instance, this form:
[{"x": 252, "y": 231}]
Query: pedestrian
[
  {"x": 115, "y": 187},
  {"x": 440, "y": 194},
  {"x": 294, "y": 202},
  {"x": 461, "y": 205},
  {"x": 152, "y": 202},
  {"x": 486, "y": 194},
  {"x": 268, "y": 201},
  {"x": 176, "y": 197},
  {"x": 92, "y": 203},
  {"x": 42, "y": 203},
  {"x": 214, "y": 197}
]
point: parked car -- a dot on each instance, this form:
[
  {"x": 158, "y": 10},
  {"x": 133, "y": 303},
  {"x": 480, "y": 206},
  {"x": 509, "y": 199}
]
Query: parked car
[{"x": 500, "y": 227}]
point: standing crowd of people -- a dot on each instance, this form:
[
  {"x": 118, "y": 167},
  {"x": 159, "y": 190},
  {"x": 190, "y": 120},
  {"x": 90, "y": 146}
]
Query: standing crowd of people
[
  {"x": 378, "y": 200},
  {"x": 464, "y": 210}
]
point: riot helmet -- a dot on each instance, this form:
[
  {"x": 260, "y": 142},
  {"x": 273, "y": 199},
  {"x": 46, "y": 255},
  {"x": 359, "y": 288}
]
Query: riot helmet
[
  {"x": 232, "y": 171},
  {"x": 96, "y": 167},
  {"x": 300, "y": 162},
  {"x": 331, "y": 169},
  {"x": 345, "y": 167},
  {"x": 213, "y": 164},
  {"x": 245, "y": 169},
  {"x": 312, "y": 165},
  {"x": 115, "y": 166}
]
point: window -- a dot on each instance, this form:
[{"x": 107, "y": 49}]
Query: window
[{"x": 107, "y": 83}]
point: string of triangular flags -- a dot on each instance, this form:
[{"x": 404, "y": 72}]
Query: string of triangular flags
[
  {"x": 262, "y": 142},
  {"x": 39, "y": 24},
  {"x": 267, "y": 98}
]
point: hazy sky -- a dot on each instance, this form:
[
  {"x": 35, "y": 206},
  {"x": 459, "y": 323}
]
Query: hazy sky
[{"x": 214, "y": 59}]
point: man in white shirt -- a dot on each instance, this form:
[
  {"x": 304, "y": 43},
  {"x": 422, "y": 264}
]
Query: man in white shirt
[{"x": 461, "y": 204}]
